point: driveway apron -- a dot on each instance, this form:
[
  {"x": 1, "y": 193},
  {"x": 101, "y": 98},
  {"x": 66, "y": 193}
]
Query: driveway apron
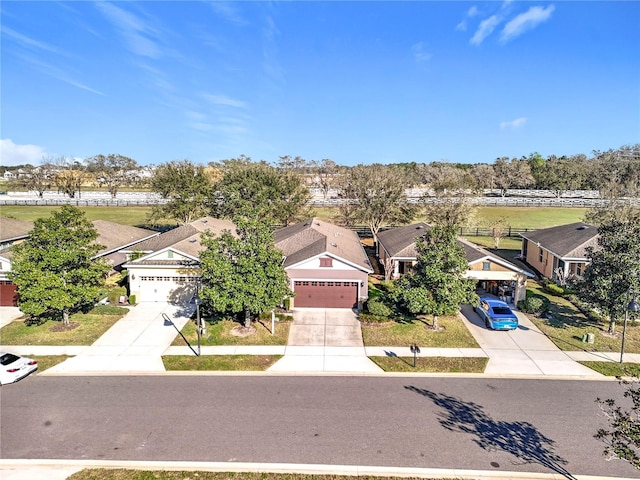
[
  {"x": 325, "y": 340},
  {"x": 133, "y": 344},
  {"x": 524, "y": 351}
]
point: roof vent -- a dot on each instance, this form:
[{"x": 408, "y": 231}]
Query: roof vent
[
  {"x": 419, "y": 227},
  {"x": 204, "y": 221},
  {"x": 582, "y": 227},
  {"x": 192, "y": 240},
  {"x": 334, "y": 244}
]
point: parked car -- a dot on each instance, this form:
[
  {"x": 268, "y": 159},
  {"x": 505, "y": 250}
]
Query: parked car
[
  {"x": 14, "y": 368},
  {"x": 496, "y": 314}
]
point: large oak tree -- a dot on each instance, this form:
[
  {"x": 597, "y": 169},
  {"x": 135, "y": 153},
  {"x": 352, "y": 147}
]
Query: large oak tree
[{"x": 55, "y": 269}]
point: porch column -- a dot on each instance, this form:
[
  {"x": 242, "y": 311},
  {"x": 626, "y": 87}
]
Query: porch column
[{"x": 396, "y": 268}]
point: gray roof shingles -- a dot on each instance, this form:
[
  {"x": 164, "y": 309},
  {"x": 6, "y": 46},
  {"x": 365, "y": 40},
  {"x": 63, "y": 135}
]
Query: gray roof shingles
[
  {"x": 314, "y": 237},
  {"x": 566, "y": 241}
]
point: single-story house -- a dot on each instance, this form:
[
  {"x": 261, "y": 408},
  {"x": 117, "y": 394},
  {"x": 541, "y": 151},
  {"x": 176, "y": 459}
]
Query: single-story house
[
  {"x": 112, "y": 236},
  {"x": 166, "y": 267},
  {"x": 326, "y": 264},
  {"x": 397, "y": 251},
  {"x": 559, "y": 253}
]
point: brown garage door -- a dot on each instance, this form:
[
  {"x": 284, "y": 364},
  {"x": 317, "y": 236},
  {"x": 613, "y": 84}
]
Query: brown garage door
[
  {"x": 8, "y": 295},
  {"x": 326, "y": 294}
]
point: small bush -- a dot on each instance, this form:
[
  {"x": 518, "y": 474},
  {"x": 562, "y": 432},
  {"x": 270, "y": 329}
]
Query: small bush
[
  {"x": 535, "y": 304},
  {"x": 554, "y": 289},
  {"x": 376, "y": 307},
  {"x": 132, "y": 299}
]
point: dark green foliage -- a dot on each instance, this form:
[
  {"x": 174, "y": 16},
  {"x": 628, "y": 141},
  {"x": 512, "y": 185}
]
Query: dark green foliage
[
  {"x": 242, "y": 271},
  {"x": 377, "y": 307},
  {"x": 614, "y": 268},
  {"x": 55, "y": 269},
  {"x": 437, "y": 285},
  {"x": 554, "y": 289},
  {"x": 278, "y": 196},
  {"x": 534, "y": 304}
]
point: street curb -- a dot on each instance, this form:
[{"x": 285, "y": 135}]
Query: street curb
[{"x": 284, "y": 468}]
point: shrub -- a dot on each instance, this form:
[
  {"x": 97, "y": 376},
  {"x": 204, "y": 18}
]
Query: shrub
[
  {"x": 535, "y": 304},
  {"x": 132, "y": 299},
  {"x": 376, "y": 307},
  {"x": 554, "y": 289}
]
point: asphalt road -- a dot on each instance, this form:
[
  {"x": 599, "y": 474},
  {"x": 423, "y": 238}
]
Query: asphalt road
[{"x": 542, "y": 426}]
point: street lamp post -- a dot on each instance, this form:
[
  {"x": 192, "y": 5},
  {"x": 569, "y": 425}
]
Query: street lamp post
[{"x": 633, "y": 306}]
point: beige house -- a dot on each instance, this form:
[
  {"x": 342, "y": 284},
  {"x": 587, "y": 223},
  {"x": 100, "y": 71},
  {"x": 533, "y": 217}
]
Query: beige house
[
  {"x": 166, "y": 267},
  {"x": 398, "y": 252},
  {"x": 559, "y": 253},
  {"x": 326, "y": 264}
]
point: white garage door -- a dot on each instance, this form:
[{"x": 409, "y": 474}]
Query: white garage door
[{"x": 166, "y": 289}]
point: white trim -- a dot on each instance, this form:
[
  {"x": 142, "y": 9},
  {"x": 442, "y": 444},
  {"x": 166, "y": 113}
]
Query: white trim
[{"x": 335, "y": 257}]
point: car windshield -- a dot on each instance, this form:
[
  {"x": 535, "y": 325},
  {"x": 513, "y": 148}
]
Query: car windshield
[
  {"x": 501, "y": 311},
  {"x": 8, "y": 358}
]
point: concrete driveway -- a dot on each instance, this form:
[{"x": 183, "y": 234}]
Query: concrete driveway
[
  {"x": 325, "y": 340},
  {"x": 524, "y": 351}
]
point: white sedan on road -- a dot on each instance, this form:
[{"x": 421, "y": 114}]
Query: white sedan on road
[{"x": 14, "y": 368}]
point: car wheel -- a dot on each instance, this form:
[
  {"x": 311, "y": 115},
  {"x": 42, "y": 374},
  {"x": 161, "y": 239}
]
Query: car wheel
[{"x": 487, "y": 324}]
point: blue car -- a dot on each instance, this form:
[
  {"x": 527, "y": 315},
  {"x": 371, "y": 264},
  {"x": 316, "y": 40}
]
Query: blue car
[{"x": 496, "y": 314}]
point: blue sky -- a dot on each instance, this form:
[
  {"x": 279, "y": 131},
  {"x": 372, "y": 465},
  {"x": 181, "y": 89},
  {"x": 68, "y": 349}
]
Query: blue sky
[{"x": 355, "y": 82}]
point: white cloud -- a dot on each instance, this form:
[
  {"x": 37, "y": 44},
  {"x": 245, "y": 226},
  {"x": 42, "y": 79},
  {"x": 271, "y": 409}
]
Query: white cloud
[
  {"x": 472, "y": 12},
  {"x": 229, "y": 12},
  {"x": 513, "y": 124},
  {"x": 487, "y": 26},
  {"x": 224, "y": 100},
  {"x": 420, "y": 53},
  {"x": 525, "y": 21},
  {"x": 13, "y": 154},
  {"x": 135, "y": 30}
]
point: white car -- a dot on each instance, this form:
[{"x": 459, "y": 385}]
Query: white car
[{"x": 14, "y": 368}]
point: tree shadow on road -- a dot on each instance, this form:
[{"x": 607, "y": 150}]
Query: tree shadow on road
[{"x": 520, "y": 439}]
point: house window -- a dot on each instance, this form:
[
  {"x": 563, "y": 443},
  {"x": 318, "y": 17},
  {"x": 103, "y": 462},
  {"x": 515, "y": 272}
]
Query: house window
[
  {"x": 486, "y": 265},
  {"x": 579, "y": 269},
  {"x": 540, "y": 255},
  {"x": 169, "y": 254},
  {"x": 326, "y": 262}
]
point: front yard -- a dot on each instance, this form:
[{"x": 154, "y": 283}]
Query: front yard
[{"x": 85, "y": 328}]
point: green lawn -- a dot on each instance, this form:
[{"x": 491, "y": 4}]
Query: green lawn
[
  {"x": 122, "y": 474},
  {"x": 48, "y": 361},
  {"x": 135, "y": 216},
  {"x": 567, "y": 326},
  {"x": 530, "y": 217},
  {"x": 220, "y": 333},
  {"x": 431, "y": 364},
  {"x": 227, "y": 363},
  {"x": 614, "y": 369},
  {"x": 453, "y": 334},
  {"x": 87, "y": 329}
]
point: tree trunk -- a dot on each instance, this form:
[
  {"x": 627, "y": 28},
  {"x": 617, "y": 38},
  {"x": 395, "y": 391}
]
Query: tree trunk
[
  {"x": 65, "y": 316},
  {"x": 435, "y": 322},
  {"x": 247, "y": 318},
  {"x": 612, "y": 325}
]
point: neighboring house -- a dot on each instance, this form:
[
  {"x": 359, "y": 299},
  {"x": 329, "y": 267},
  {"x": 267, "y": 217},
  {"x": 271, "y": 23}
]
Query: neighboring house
[
  {"x": 559, "y": 252},
  {"x": 398, "y": 252},
  {"x": 113, "y": 237},
  {"x": 13, "y": 231},
  {"x": 326, "y": 264},
  {"x": 166, "y": 267}
]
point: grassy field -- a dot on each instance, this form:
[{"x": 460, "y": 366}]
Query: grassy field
[
  {"x": 519, "y": 217},
  {"x": 612, "y": 369}
]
